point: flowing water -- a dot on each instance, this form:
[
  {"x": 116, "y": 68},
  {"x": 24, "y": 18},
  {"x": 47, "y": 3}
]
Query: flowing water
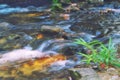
[{"x": 35, "y": 41}]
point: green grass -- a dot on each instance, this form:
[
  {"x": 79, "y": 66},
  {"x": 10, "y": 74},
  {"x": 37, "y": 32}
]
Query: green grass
[{"x": 105, "y": 54}]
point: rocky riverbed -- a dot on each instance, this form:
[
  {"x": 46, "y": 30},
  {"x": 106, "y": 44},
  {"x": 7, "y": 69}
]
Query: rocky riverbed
[{"x": 37, "y": 43}]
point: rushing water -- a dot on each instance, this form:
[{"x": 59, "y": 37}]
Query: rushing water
[
  {"x": 34, "y": 33},
  {"x": 5, "y": 9}
]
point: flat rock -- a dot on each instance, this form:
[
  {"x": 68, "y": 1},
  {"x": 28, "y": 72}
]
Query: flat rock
[{"x": 85, "y": 73}]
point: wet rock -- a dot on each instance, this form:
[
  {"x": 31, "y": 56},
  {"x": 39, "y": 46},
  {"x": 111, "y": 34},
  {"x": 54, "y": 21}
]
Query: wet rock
[
  {"x": 14, "y": 41},
  {"x": 73, "y": 7},
  {"x": 83, "y": 27},
  {"x": 75, "y": 75},
  {"x": 5, "y": 26},
  {"x": 84, "y": 74},
  {"x": 65, "y": 16},
  {"x": 118, "y": 28},
  {"x": 51, "y": 28},
  {"x": 25, "y": 17},
  {"x": 72, "y": 36},
  {"x": 38, "y": 75},
  {"x": 112, "y": 71},
  {"x": 97, "y": 22},
  {"x": 110, "y": 74}
]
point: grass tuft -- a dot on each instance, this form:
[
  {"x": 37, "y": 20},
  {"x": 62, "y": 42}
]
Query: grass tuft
[{"x": 100, "y": 54}]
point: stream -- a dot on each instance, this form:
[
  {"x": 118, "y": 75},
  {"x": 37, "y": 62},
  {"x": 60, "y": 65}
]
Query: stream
[{"x": 38, "y": 44}]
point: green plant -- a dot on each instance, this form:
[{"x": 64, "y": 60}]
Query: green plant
[
  {"x": 56, "y": 5},
  {"x": 100, "y": 53}
]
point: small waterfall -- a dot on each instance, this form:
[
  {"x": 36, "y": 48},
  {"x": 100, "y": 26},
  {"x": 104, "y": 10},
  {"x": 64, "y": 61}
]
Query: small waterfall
[
  {"x": 44, "y": 45},
  {"x": 47, "y": 43},
  {"x": 63, "y": 45},
  {"x": 25, "y": 54},
  {"x": 53, "y": 47}
]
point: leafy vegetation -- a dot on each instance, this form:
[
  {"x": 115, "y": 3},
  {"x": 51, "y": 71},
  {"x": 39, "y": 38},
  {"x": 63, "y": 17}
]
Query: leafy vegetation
[
  {"x": 100, "y": 54},
  {"x": 56, "y": 5}
]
